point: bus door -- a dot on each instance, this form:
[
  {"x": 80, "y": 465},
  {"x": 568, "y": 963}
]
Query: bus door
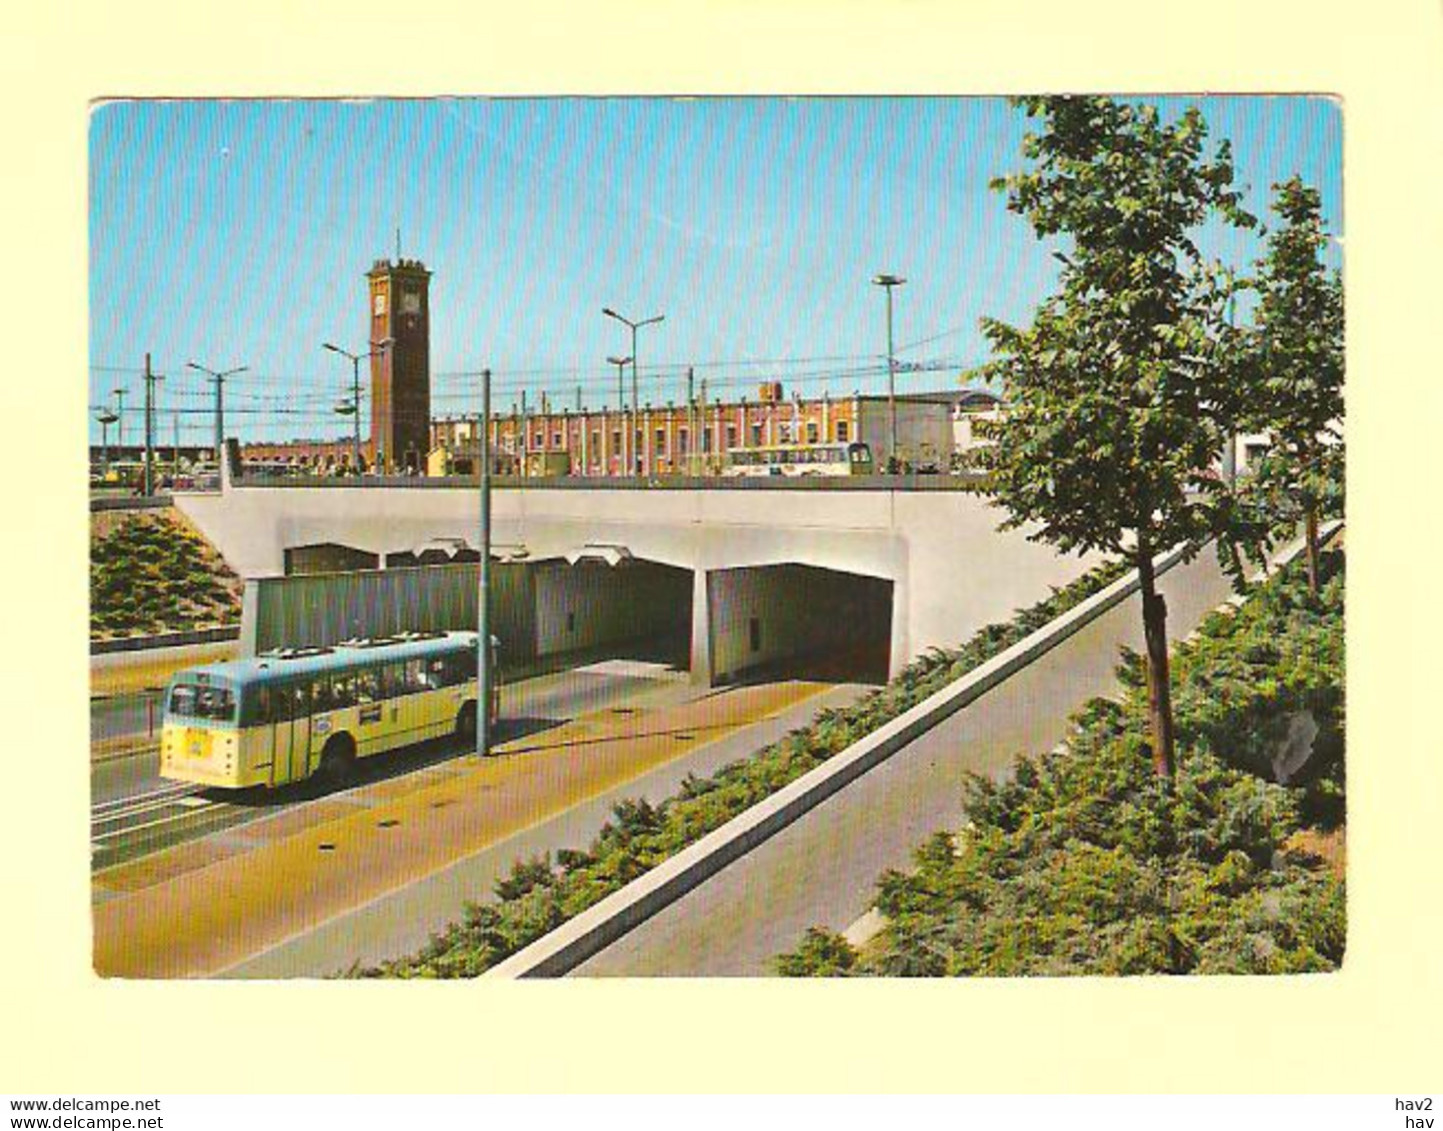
[{"x": 291, "y": 733}]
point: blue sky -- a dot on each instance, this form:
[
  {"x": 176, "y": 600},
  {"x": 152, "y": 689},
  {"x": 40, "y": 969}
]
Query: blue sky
[{"x": 239, "y": 233}]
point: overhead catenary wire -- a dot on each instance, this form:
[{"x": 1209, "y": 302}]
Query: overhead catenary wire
[{"x": 307, "y": 401}]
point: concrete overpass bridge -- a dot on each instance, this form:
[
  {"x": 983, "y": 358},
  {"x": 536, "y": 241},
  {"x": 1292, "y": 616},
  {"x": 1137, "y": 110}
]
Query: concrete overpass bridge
[{"x": 763, "y": 572}]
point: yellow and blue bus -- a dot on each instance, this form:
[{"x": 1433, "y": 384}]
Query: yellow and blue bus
[
  {"x": 291, "y": 714},
  {"x": 799, "y": 459}
]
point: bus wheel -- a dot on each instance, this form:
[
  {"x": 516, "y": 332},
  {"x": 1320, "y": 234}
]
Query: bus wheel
[
  {"x": 466, "y": 722},
  {"x": 338, "y": 762}
]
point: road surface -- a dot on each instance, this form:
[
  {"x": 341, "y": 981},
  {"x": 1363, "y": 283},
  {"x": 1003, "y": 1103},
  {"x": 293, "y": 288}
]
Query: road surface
[
  {"x": 822, "y": 870},
  {"x": 134, "y": 811},
  {"x": 208, "y": 905},
  {"x": 400, "y": 923}
]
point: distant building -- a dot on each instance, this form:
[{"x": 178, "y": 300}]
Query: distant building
[
  {"x": 401, "y": 373},
  {"x": 670, "y": 439},
  {"x": 975, "y": 407},
  {"x": 693, "y": 439},
  {"x": 398, "y": 314}
]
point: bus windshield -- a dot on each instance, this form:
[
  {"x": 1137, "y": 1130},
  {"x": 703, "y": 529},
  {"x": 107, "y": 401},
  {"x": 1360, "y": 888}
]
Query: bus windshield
[{"x": 192, "y": 701}]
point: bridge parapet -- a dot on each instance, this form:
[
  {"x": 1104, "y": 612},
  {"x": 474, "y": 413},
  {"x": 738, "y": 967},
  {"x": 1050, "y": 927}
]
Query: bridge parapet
[
  {"x": 950, "y": 567},
  {"x": 815, "y": 483}
]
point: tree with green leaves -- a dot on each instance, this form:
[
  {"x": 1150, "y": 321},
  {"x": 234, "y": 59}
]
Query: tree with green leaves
[
  {"x": 1295, "y": 361},
  {"x": 1121, "y": 393}
]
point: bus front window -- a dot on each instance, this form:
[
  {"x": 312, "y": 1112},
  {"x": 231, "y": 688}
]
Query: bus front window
[{"x": 192, "y": 701}]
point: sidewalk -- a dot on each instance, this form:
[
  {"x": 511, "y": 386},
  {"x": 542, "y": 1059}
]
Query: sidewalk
[
  {"x": 401, "y": 922},
  {"x": 207, "y": 905},
  {"x": 128, "y": 673}
]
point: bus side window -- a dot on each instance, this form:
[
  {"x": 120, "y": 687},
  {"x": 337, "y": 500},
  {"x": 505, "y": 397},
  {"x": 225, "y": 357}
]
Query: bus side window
[
  {"x": 368, "y": 685},
  {"x": 256, "y": 706},
  {"x": 291, "y": 702},
  {"x": 343, "y": 690},
  {"x": 321, "y": 694},
  {"x": 413, "y": 676},
  {"x": 454, "y": 668}
]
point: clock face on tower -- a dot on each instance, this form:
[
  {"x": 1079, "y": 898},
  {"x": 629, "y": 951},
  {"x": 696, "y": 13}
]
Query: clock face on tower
[
  {"x": 378, "y": 304},
  {"x": 410, "y": 302}
]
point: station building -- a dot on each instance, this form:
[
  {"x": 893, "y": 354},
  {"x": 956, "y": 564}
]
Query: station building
[
  {"x": 652, "y": 440},
  {"x": 399, "y": 322},
  {"x": 693, "y": 439}
]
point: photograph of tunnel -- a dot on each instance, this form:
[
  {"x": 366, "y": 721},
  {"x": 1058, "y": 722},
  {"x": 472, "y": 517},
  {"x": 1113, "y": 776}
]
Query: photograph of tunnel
[{"x": 810, "y": 622}]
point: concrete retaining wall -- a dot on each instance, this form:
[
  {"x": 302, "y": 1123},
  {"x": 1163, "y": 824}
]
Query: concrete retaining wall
[
  {"x": 591, "y": 603},
  {"x": 756, "y": 617},
  {"x": 952, "y": 570},
  {"x": 601, "y": 925},
  {"x": 130, "y": 503},
  {"x": 762, "y": 615},
  {"x": 163, "y": 640},
  {"x": 322, "y": 609}
]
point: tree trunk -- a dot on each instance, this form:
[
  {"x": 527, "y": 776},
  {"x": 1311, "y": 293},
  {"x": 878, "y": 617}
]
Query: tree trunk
[
  {"x": 1311, "y": 528},
  {"x": 1159, "y": 691}
]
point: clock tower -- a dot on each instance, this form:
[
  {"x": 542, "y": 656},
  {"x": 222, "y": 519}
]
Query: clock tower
[{"x": 401, "y": 374}]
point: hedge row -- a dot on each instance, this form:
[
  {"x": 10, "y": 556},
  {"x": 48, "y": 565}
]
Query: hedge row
[
  {"x": 1085, "y": 863},
  {"x": 541, "y": 894},
  {"x": 151, "y": 575}
]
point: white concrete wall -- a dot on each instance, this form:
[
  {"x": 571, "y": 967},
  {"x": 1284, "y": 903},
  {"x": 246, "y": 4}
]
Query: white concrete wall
[
  {"x": 800, "y": 612},
  {"x": 736, "y": 596},
  {"x": 601, "y": 604},
  {"x": 953, "y": 570}
]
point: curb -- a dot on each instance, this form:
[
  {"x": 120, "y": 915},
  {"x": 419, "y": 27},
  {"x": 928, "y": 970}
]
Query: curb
[
  {"x": 130, "y": 503},
  {"x": 128, "y": 752},
  {"x": 599, "y": 926},
  {"x": 163, "y": 640}
]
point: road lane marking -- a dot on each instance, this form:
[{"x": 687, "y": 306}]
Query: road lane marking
[
  {"x": 146, "y": 806},
  {"x": 171, "y": 820},
  {"x": 154, "y": 795}
]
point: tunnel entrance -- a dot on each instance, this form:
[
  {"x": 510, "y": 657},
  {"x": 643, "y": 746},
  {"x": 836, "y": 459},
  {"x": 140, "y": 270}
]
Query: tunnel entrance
[
  {"x": 632, "y": 610},
  {"x": 798, "y": 622}
]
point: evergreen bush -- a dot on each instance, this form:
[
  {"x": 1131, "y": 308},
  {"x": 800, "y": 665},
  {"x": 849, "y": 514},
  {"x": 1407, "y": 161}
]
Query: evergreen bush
[
  {"x": 538, "y": 896},
  {"x": 1085, "y": 862}
]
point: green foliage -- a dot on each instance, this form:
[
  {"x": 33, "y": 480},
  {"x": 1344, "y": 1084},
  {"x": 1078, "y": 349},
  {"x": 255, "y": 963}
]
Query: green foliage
[
  {"x": 821, "y": 954},
  {"x": 536, "y": 898},
  {"x": 1118, "y": 390},
  {"x": 1082, "y": 862},
  {"x": 152, "y": 575},
  {"x": 526, "y": 875},
  {"x": 1294, "y": 368}
]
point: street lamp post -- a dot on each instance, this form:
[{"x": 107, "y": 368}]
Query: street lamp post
[
  {"x": 887, "y": 282},
  {"x": 120, "y": 421},
  {"x": 218, "y": 378},
  {"x": 150, "y": 379},
  {"x": 105, "y": 419},
  {"x": 635, "y": 326},
  {"x": 621, "y": 363},
  {"x": 484, "y": 674},
  {"x": 377, "y": 348}
]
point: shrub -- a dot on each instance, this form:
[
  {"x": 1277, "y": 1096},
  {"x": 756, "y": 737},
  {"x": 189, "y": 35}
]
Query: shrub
[
  {"x": 640, "y": 835},
  {"x": 151, "y": 575},
  {"x": 1086, "y": 863}
]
